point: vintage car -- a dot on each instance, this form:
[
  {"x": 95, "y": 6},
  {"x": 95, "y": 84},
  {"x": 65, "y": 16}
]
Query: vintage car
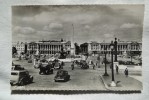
[
  {"x": 20, "y": 77},
  {"x": 45, "y": 68},
  {"x": 17, "y": 67},
  {"x": 62, "y": 75},
  {"x": 84, "y": 64},
  {"x": 57, "y": 64}
]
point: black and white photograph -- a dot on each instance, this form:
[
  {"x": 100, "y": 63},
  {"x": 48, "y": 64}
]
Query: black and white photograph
[{"x": 77, "y": 47}]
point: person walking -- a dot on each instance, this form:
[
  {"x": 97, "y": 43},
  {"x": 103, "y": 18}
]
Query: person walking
[
  {"x": 126, "y": 72},
  {"x": 117, "y": 69},
  {"x": 92, "y": 63},
  {"x": 72, "y": 66}
]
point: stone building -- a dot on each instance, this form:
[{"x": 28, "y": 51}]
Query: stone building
[
  {"x": 122, "y": 47},
  {"x": 21, "y": 47},
  {"x": 48, "y": 47}
]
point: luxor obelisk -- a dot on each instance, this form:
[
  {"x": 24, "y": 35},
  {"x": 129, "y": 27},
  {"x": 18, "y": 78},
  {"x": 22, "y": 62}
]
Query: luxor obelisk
[{"x": 72, "y": 42}]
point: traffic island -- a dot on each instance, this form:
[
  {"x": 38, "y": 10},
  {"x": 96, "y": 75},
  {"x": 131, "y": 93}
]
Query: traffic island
[{"x": 123, "y": 83}]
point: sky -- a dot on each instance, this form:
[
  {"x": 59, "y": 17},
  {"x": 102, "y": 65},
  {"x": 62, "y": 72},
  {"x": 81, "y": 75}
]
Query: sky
[{"x": 90, "y": 22}]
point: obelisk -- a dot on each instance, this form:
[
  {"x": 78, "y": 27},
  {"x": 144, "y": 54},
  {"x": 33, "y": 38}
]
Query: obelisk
[{"x": 72, "y": 43}]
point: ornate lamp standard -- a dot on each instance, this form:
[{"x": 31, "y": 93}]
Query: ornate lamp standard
[
  {"x": 115, "y": 48},
  {"x": 112, "y": 69},
  {"x": 105, "y": 61}
]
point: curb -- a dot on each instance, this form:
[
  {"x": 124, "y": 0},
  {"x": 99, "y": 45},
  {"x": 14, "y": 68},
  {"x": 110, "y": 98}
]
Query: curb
[{"x": 106, "y": 86}]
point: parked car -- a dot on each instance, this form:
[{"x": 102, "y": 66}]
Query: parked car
[
  {"x": 45, "y": 68},
  {"x": 57, "y": 64},
  {"x": 20, "y": 77},
  {"x": 84, "y": 64},
  {"x": 62, "y": 75}
]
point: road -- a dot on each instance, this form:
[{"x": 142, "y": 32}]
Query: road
[{"x": 80, "y": 79}]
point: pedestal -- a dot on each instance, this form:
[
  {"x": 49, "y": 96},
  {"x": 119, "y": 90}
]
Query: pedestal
[
  {"x": 72, "y": 51},
  {"x": 105, "y": 74},
  {"x": 113, "y": 84}
]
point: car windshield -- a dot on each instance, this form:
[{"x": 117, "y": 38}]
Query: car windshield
[
  {"x": 13, "y": 73},
  {"x": 23, "y": 73}
]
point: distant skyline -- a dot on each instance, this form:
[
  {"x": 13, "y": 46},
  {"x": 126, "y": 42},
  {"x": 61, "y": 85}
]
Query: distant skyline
[{"x": 91, "y": 23}]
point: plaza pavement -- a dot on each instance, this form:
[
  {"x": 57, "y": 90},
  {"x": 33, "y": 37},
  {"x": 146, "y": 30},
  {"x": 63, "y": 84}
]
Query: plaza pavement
[
  {"x": 126, "y": 83},
  {"x": 81, "y": 79}
]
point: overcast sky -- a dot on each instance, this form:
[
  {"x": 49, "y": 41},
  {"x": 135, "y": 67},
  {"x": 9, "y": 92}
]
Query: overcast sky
[{"x": 91, "y": 23}]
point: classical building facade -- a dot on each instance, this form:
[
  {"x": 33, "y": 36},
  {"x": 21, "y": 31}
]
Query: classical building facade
[
  {"x": 84, "y": 48},
  {"x": 53, "y": 47},
  {"x": 48, "y": 47},
  {"x": 93, "y": 47},
  {"x": 122, "y": 47}
]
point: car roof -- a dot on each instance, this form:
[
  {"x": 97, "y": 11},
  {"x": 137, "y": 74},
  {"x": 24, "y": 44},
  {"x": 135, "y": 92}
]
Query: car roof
[{"x": 18, "y": 71}]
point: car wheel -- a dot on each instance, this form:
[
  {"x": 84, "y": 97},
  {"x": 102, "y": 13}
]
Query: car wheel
[
  {"x": 65, "y": 79},
  {"x": 31, "y": 80},
  {"x": 52, "y": 72},
  {"x": 40, "y": 72},
  {"x": 68, "y": 78},
  {"x": 47, "y": 72},
  {"x": 21, "y": 83}
]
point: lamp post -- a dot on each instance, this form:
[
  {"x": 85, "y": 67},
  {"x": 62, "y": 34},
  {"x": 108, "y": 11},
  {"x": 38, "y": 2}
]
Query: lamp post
[
  {"x": 105, "y": 61},
  {"x": 112, "y": 69},
  {"x": 115, "y": 48}
]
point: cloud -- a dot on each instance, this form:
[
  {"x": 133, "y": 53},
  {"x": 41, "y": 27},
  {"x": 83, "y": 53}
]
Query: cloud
[
  {"x": 95, "y": 22},
  {"x": 129, "y": 25},
  {"x": 54, "y": 27},
  {"x": 87, "y": 27},
  {"x": 23, "y": 30},
  {"x": 108, "y": 35},
  {"x": 44, "y": 33}
]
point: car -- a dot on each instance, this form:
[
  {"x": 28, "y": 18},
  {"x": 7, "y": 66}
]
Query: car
[
  {"x": 57, "y": 64},
  {"x": 62, "y": 75},
  {"x": 84, "y": 64},
  {"x": 20, "y": 77},
  {"x": 45, "y": 68}
]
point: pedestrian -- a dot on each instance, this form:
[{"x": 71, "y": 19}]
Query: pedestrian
[
  {"x": 62, "y": 63},
  {"x": 72, "y": 66},
  {"x": 126, "y": 72},
  {"x": 98, "y": 64},
  {"x": 93, "y": 66},
  {"x": 117, "y": 69}
]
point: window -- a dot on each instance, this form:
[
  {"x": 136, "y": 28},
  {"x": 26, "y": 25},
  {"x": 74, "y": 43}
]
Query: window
[
  {"x": 23, "y": 73},
  {"x": 13, "y": 73}
]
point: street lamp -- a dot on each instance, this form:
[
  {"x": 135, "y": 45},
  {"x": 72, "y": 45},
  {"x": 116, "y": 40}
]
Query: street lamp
[
  {"x": 105, "y": 61},
  {"x": 115, "y": 48},
  {"x": 113, "y": 81}
]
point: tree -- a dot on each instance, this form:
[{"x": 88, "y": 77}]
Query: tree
[{"x": 14, "y": 50}]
